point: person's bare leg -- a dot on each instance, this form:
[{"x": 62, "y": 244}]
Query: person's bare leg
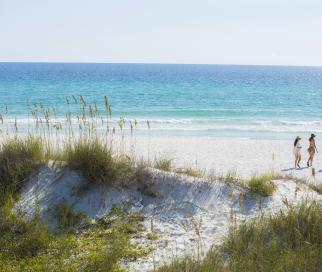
[
  {"x": 298, "y": 161},
  {"x": 312, "y": 159},
  {"x": 309, "y": 162}
]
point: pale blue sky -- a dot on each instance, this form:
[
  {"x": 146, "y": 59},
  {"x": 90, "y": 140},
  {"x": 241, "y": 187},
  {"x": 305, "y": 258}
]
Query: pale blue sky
[{"x": 279, "y": 32}]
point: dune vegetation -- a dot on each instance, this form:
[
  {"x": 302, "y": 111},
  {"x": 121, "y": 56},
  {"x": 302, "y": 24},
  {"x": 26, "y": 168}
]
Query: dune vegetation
[
  {"x": 163, "y": 163},
  {"x": 97, "y": 162},
  {"x": 18, "y": 158},
  {"x": 262, "y": 185},
  {"x": 86, "y": 146},
  {"x": 30, "y": 246},
  {"x": 286, "y": 241}
]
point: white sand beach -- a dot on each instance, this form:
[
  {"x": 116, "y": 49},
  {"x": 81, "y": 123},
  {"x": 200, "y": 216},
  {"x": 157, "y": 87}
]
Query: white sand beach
[{"x": 245, "y": 156}]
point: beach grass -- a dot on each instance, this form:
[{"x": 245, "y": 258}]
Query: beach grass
[
  {"x": 316, "y": 187},
  {"x": 192, "y": 172},
  {"x": 163, "y": 163},
  {"x": 18, "y": 158},
  {"x": 289, "y": 240},
  {"x": 211, "y": 263},
  {"x": 20, "y": 238},
  {"x": 97, "y": 162},
  {"x": 286, "y": 241},
  {"x": 67, "y": 217},
  {"x": 261, "y": 184},
  {"x": 28, "y": 245},
  {"x": 231, "y": 178}
]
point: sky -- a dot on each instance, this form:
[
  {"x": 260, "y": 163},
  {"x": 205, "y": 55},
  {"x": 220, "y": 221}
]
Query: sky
[{"x": 273, "y": 32}]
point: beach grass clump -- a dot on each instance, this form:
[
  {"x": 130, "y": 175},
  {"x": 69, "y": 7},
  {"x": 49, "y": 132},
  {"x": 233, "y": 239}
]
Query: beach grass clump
[
  {"x": 290, "y": 240},
  {"x": 193, "y": 172},
  {"x": 152, "y": 236},
  {"x": 285, "y": 241},
  {"x": 18, "y": 158},
  {"x": 262, "y": 185},
  {"x": 144, "y": 180},
  {"x": 98, "y": 163},
  {"x": 67, "y": 216},
  {"x": 163, "y": 163},
  {"x": 232, "y": 178},
  {"x": 316, "y": 187},
  {"x": 211, "y": 263}
]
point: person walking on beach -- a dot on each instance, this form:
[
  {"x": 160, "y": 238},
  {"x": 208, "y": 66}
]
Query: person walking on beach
[
  {"x": 312, "y": 148},
  {"x": 297, "y": 151}
]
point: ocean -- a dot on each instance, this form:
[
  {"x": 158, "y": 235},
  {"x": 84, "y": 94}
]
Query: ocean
[{"x": 270, "y": 102}]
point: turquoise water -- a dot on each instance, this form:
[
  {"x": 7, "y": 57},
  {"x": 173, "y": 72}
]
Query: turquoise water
[{"x": 211, "y": 100}]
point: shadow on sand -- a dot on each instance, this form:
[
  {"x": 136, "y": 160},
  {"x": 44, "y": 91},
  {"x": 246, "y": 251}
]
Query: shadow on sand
[{"x": 293, "y": 168}]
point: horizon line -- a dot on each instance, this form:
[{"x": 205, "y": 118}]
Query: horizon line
[{"x": 159, "y": 63}]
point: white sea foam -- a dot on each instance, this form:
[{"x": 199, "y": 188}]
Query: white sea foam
[{"x": 206, "y": 125}]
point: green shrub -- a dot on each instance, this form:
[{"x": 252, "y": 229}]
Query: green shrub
[
  {"x": 18, "y": 157},
  {"x": 97, "y": 162},
  {"x": 262, "y": 185}
]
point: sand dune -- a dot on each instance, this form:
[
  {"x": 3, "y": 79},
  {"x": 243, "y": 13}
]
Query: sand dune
[{"x": 177, "y": 202}]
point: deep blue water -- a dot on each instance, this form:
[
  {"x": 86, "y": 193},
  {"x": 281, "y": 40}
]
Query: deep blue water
[{"x": 212, "y": 100}]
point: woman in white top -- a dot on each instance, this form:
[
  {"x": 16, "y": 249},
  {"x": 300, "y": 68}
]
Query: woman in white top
[{"x": 297, "y": 151}]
